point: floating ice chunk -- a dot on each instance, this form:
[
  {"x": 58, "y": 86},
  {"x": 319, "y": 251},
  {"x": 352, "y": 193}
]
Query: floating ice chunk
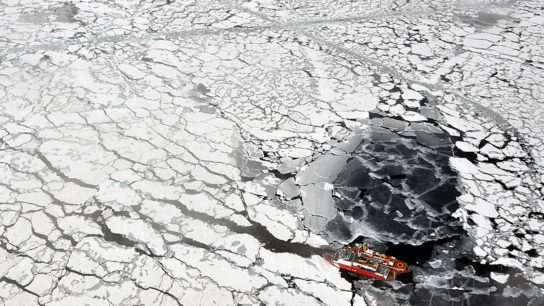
[
  {"x": 492, "y": 152},
  {"x": 131, "y": 71},
  {"x": 84, "y": 262},
  {"x": 499, "y": 277},
  {"x": 513, "y": 149},
  {"x": 461, "y": 124},
  {"x": 160, "y": 212},
  {"x": 41, "y": 284},
  {"x": 295, "y": 152},
  {"x": 357, "y": 102},
  {"x": 351, "y": 143},
  {"x": 479, "y": 251},
  {"x": 537, "y": 262},
  {"x": 501, "y": 251},
  {"x": 105, "y": 251},
  {"x": 484, "y": 226},
  {"x": 164, "y": 45},
  {"x": 288, "y": 188},
  {"x": 534, "y": 20},
  {"x": 165, "y": 71},
  {"x": 278, "y": 222},
  {"x": 477, "y": 43},
  {"x": 466, "y": 198},
  {"x": 483, "y": 208},
  {"x": 466, "y": 146},
  {"x": 493, "y": 170},
  {"x": 233, "y": 201},
  {"x": 496, "y": 139},
  {"x": 316, "y": 240},
  {"x": 22, "y": 272},
  {"x": 452, "y": 132},
  {"x": 485, "y": 36},
  {"x": 359, "y": 301},
  {"x": 157, "y": 189},
  {"x": 539, "y": 238},
  {"x": 316, "y": 223},
  {"x": 251, "y": 199},
  {"x": 513, "y": 165},
  {"x": 274, "y": 295},
  {"x": 41, "y": 223},
  {"x": 85, "y": 162},
  {"x": 211, "y": 295},
  {"x": 323, "y": 169},
  {"x": 163, "y": 57},
  {"x": 236, "y": 20},
  {"x": 79, "y": 300},
  {"x": 300, "y": 236},
  {"x": 463, "y": 165},
  {"x": 509, "y": 262},
  {"x": 413, "y": 117},
  {"x": 113, "y": 192},
  {"x": 422, "y": 49},
  {"x": 328, "y": 295},
  {"x": 411, "y": 103},
  {"x": 289, "y": 165},
  {"x": 503, "y": 243},
  {"x": 435, "y": 263},
  {"x": 262, "y": 187},
  {"x": 318, "y": 201},
  {"x": 538, "y": 278},
  {"x": 390, "y": 123},
  {"x": 397, "y": 110},
  {"x": 78, "y": 224},
  {"x": 32, "y": 59},
  {"x": 19, "y": 232},
  {"x": 39, "y": 198},
  {"x": 525, "y": 246},
  {"x": 17, "y": 140},
  {"x": 535, "y": 225},
  {"x": 409, "y": 94},
  {"x": 239, "y": 220}
]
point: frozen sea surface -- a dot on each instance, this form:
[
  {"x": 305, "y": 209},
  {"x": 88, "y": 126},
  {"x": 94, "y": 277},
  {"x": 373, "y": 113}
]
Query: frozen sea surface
[{"x": 208, "y": 152}]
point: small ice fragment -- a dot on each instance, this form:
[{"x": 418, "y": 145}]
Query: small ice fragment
[{"x": 499, "y": 277}]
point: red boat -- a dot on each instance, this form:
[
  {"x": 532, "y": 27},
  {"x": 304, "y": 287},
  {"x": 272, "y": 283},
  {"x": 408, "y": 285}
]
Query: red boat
[{"x": 366, "y": 262}]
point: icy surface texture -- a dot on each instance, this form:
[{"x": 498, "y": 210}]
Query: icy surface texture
[
  {"x": 207, "y": 152},
  {"x": 398, "y": 186}
]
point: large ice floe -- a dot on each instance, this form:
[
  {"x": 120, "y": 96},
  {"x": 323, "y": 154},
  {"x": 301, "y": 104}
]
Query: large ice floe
[{"x": 208, "y": 152}]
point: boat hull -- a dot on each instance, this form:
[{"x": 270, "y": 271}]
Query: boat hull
[{"x": 361, "y": 271}]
